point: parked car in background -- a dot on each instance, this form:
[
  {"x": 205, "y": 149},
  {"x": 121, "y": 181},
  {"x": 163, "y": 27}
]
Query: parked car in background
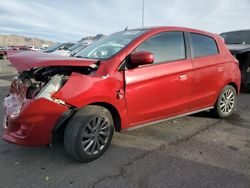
[
  {"x": 72, "y": 50},
  {"x": 34, "y": 48},
  {"x": 126, "y": 80},
  {"x": 16, "y": 49},
  {"x": 23, "y": 48},
  {"x": 44, "y": 47},
  {"x": 78, "y": 49},
  {"x": 3, "y": 52},
  {"x": 238, "y": 43},
  {"x": 59, "y": 47}
]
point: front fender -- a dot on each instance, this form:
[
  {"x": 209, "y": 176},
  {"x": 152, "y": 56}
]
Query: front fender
[{"x": 81, "y": 90}]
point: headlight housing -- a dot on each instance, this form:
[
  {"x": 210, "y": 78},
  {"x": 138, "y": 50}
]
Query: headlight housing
[{"x": 50, "y": 88}]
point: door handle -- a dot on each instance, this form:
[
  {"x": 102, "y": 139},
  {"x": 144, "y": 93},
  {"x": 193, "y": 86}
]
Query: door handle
[
  {"x": 220, "y": 68},
  {"x": 183, "y": 77}
]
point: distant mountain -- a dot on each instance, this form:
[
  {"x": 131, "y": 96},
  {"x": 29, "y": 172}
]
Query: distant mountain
[
  {"x": 91, "y": 38},
  {"x": 18, "y": 40}
]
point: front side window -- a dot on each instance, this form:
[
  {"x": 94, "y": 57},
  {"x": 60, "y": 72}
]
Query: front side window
[
  {"x": 203, "y": 45},
  {"x": 167, "y": 46}
]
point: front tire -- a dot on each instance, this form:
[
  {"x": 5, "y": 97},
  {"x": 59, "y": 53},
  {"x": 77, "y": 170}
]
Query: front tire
[
  {"x": 225, "y": 105},
  {"x": 89, "y": 133}
]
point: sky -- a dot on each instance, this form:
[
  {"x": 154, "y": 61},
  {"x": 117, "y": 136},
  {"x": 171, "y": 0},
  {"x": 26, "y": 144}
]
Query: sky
[{"x": 70, "y": 20}]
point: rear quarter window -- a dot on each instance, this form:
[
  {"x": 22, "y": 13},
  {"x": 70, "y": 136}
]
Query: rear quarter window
[{"x": 203, "y": 45}]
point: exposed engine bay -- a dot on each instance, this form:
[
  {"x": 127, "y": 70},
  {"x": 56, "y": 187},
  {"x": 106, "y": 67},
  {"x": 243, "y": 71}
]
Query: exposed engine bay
[{"x": 44, "y": 81}]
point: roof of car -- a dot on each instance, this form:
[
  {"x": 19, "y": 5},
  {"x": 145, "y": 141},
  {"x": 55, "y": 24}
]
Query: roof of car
[{"x": 173, "y": 28}]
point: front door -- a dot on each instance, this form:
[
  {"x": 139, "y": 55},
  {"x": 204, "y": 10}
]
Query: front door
[{"x": 160, "y": 89}]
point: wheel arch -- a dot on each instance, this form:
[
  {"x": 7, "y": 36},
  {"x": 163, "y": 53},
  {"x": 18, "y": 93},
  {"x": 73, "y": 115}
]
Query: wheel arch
[
  {"x": 217, "y": 110},
  {"x": 61, "y": 123},
  {"x": 233, "y": 84},
  {"x": 114, "y": 112}
]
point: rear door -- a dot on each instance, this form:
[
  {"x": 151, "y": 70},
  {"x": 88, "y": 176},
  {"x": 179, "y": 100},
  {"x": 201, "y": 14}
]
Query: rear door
[
  {"x": 207, "y": 71},
  {"x": 161, "y": 89}
]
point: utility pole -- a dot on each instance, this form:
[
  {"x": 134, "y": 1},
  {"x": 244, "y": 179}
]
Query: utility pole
[{"x": 142, "y": 24}]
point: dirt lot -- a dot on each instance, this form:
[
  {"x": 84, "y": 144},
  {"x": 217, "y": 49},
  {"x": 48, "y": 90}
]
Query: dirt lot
[{"x": 193, "y": 151}]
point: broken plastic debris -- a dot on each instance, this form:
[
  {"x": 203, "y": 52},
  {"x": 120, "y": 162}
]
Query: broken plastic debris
[{"x": 175, "y": 122}]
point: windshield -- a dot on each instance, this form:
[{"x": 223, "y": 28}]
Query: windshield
[
  {"x": 236, "y": 37},
  {"x": 106, "y": 47}
]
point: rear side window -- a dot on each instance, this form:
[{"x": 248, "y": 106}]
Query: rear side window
[
  {"x": 167, "y": 46},
  {"x": 203, "y": 45}
]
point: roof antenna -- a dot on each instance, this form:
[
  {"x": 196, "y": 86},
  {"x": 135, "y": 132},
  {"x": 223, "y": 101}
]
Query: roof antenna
[{"x": 126, "y": 28}]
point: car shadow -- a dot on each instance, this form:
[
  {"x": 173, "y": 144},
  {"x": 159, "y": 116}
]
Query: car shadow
[
  {"x": 120, "y": 165},
  {"x": 204, "y": 114}
]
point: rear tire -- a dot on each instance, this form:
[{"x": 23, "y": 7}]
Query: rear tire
[
  {"x": 225, "y": 105},
  {"x": 89, "y": 133}
]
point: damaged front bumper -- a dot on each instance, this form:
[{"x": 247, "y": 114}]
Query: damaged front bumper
[{"x": 30, "y": 122}]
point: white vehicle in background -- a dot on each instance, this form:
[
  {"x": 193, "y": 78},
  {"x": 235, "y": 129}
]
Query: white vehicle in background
[
  {"x": 78, "y": 47},
  {"x": 59, "y": 48},
  {"x": 73, "y": 49},
  {"x": 60, "y": 52},
  {"x": 34, "y": 48}
]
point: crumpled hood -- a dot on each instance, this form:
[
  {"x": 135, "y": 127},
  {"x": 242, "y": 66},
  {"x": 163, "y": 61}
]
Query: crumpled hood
[{"x": 26, "y": 60}]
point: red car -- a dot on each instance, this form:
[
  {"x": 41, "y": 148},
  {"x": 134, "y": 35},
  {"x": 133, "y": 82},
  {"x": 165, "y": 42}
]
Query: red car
[{"x": 126, "y": 80}]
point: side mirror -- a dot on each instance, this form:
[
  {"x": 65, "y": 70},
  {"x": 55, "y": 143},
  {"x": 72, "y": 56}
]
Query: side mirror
[{"x": 141, "y": 58}]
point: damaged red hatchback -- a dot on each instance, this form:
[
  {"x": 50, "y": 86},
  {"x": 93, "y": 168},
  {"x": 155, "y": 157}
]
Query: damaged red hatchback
[{"x": 126, "y": 80}]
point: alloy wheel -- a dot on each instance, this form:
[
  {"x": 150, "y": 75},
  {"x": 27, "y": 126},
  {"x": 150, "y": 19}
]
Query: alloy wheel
[
  {"x": 227, "y": 102},
  {"x": 95, "y": 135}
]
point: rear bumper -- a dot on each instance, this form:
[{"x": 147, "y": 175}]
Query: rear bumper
[{"x": 33, "y": 125}]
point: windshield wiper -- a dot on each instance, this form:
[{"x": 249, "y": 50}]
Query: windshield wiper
[
  {"x": 97, "y": 59},
  {"x": 78, "y": 56},
  {"x": 236, "y": 43}
]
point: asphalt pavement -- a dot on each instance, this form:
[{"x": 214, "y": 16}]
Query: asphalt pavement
[{"x": 192, "y": 151}]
